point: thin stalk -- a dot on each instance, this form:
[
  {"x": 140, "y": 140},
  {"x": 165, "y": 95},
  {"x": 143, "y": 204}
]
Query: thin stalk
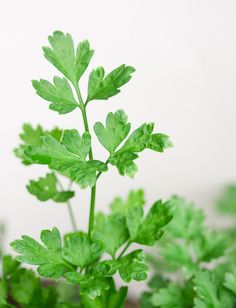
[
  {"x": 93, "y": 189},
  {"x": 124, "y": 250},
  {"x": 72, "y": 217},
  {"x": 100, "y": 172},
  {"x": 69, "y": 207}
]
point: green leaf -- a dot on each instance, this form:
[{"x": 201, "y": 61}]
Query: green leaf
[
  {"x": 138, "y": 140},
  {"x": 103, "y": 87},
  {"x": 111, "y": 231},
  {"x": 83, "y": 173},
  {"x": 124, "y": 163},
  {"x": 3, "y": 293},
  {"x": 227, "y": 202},
  {"x": 80, "y": 250},
  {"x": 187, "y": 222},
  {"x": 89, "y": 285},
  {"x": 83, "y": 57},
  {"x": 132, "y": 267},
  {"x": 141, "y": 139},
  {"x": 62, "y": 55},
  {"x": 108, "y": 299},
  {"x": 206, "y": 291},
  {"x": 74, "y": 143},
  {"x": 60, "y": 156},
  {"x": 59, "y": 94},
  {"x": 145, "y": 300},
  {"x": 27, "y": 291},
  {"x": 210, "y": 245},
  {"x": 134, "y": 219},
  {"x": 115, "y": 132},
  {"x": 150, "y": 230},
  {"x": 159, "y": 142},
  {"x": 9, "y": 266},
  {"x": 33, "y": 137},
  {"x": 135, "y": 198},
  {"x": 171, "y": 296},
  {"x": 46, "y": 188},
  {"x": 177, "y": 256},
  {"x": 48, "y": 257},
  {"x": 230, "y": 281}
]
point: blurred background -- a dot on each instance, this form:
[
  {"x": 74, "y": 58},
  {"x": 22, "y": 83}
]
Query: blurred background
[{"x": 185, "y": 55}]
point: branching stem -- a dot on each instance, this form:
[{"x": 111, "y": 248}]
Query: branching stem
[
  {"x": 124, "y": 250},
  {"x": 93, "y": 189}
]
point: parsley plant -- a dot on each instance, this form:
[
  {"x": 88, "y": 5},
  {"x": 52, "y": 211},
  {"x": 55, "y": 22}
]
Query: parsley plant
[{"x": 89, "y": 260}]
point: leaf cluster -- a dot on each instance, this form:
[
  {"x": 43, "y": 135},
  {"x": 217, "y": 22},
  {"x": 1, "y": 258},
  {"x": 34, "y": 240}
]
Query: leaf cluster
[
  {"x": 193, "y": 268},
  {"x": 78, "y": 258}
]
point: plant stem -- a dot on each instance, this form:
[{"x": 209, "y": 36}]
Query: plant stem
[
  {"x": 93, "y": 189},
  {"x": 72, "y": 217},
  {"x": 124, "y": 250},
  {"x": 69, "y": 207},
  {"x": 100, "y": 172}
]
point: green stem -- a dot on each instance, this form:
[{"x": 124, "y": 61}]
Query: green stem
[
  {"x": 100, "y": 172},
  {"x": 93, "y": 189},
  {"x": 69, "y": 207},
  {"x": 124, "y": 250},
  {"x": 72, "y": 217}
]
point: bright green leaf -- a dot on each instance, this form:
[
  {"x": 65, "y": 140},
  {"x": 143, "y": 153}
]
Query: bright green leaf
[
  {"x": 60, "y": 157},
  {"x": 132, "y": 267},
  {"x": 89, "y": 285},
  {"x": 187, "y": 222},
  {"x": 48, "y": 257},
  {"x": 115, "y": 132},
  {"x": 33, "y": 137},
  {"x": 63, "y": 56},
  {"x": 159, "y": 142},
  {"x": 230, "y": 280},
  {"x": 111, "y": 231},
  {"x": 46, "y": 188},
  {"x": 150, "y": 229},
  {"x": 171, "y": 296},
  {"x": 76, "y": 144},
  {"x": 59, "y": 94},
  {"x": 80, "y": 250},
  {"x": 103, "y": 87},
  {"x": 135, "y": 198}
]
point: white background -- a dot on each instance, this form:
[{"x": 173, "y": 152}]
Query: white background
[{"x": 185, "y": 56}]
